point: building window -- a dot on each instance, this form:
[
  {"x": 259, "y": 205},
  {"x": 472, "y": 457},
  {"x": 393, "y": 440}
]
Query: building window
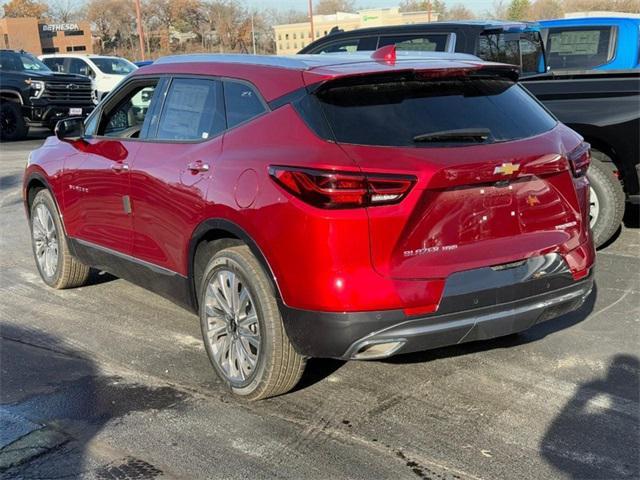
[
  {"x": 279, "y": 46},
  {"x": 287, "y": 45},
  {"x": 286, "y": 36},
  {"x": 317, "y": 34},
  {"x": 50, "y": 50},
  {"x": 294, "y": 35},
  {"x": 79, "y": 48},
  {"x": 295, "y": 44},
  {"x": 325, "y": 32},
  {"x": 301, "y": 35},
  {"x": 309, "y": 34},
  {"x": 73, "y": 33}
]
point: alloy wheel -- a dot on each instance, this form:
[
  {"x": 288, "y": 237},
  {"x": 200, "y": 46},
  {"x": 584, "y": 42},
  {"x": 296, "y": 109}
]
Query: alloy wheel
[
  {"x": 233, "y": 330},
  {"x": 45, "y": 240}
]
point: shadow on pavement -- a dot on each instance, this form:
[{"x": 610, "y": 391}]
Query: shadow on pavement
[
  {"x": 60, "y": 393},
  {"x": 597, "y": 433}
]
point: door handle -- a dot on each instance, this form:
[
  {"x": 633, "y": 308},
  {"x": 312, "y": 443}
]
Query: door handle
[
  {"x": 198, "y": 167},
  {"x": 119, "y": 167}
]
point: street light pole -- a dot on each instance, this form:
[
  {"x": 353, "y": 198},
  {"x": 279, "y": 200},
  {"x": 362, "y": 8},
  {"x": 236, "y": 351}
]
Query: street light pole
[
  {"x": 311, "y": 19},
  {"x": 253, "y": 35},
  {"x": 140, "y": 31}
]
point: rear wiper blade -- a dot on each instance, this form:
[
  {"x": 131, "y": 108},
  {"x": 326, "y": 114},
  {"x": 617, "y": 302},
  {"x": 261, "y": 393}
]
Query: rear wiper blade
[{"x": 475, "y": 135}]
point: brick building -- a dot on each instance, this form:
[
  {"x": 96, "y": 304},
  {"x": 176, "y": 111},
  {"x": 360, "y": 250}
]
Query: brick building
[
  {"x": 293, "y": 36},
  {"x": 38, "y": 37}
]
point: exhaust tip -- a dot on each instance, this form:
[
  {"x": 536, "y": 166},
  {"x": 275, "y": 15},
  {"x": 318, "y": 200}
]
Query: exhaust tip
[{"x": 375, "y": 350}]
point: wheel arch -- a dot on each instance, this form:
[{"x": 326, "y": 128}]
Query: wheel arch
[
  {"x": 11, "y": 95},
  {"x": 226, "y": 233}
]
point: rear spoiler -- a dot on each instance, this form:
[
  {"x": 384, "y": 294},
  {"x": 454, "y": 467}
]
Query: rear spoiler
[
  {"x": 507, "y": 72},
  {"x": 386, "y": 63}
]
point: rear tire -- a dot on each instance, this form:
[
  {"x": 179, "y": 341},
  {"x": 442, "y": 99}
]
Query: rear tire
[
  {"x": 607, "y": 199},
  {"x": 12, "y": 124},
  {"x": 57, "y": 266},
  {"x": 242, "y": 328}
]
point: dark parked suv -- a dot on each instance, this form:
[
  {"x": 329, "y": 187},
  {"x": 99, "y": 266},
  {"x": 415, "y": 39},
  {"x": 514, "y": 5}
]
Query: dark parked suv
[
  {"x": 345, "y": 207},
  {"x": 32, "y": 95},
  {"x": 516, "y": 43}
]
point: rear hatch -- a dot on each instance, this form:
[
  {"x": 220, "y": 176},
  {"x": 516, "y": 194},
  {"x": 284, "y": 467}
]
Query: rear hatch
[{"x": 493, "y": 184}]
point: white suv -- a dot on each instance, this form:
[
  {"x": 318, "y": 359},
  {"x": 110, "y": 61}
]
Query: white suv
[{"x": 105, "y": 72}]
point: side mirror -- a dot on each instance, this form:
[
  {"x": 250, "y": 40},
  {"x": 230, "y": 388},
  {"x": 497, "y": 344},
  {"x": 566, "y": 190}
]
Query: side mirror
[{"x": 71, "y": 128}]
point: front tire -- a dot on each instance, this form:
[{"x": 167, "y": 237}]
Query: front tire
[
  {"x": 57, "y": 266},
  {"x": 12, "y": 124},
  {"x": 607, "y": 199},
  {"x": 242, "y": 328}
]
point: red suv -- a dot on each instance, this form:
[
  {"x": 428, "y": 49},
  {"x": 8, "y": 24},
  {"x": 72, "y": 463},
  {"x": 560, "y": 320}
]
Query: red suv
[{"x": 321, "y": 206}]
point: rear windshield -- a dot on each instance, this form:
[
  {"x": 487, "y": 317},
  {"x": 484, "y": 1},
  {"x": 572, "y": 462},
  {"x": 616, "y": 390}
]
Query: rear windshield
[{"x": 401, "y": 112}]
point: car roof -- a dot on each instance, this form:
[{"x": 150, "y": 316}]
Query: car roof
[
  {"x": 475, "y": 25},
  {"x": 78, "y": 55},
  {"x": 589, "y": 21},
  {"x": 309, "y": 62},
  {"x": 275, "y": 76}
]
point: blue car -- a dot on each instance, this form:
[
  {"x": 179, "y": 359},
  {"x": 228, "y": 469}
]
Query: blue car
[{"x": 592, "y": 43}]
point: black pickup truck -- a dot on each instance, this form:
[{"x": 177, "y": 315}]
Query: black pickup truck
[
  {"x": 603, "y": 107},
  {"x": 32, "y": 95}
]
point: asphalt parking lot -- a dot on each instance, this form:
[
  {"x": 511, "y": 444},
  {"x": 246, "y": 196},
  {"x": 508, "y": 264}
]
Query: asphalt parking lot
[{"x": 109, "y": 381}]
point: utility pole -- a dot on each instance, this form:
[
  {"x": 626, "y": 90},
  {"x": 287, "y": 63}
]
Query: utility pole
[
  {"x": 253, "y": 34},
  {"x": 311, "y": 19},
  {"x": 140, "y": 31}
]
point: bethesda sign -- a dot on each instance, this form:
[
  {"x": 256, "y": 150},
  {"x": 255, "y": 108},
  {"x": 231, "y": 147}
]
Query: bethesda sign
[{"x": 60, "y": 27}]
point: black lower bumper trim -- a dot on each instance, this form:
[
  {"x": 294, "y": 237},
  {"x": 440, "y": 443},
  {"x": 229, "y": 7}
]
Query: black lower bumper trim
[{"x": 344, "y": 335}]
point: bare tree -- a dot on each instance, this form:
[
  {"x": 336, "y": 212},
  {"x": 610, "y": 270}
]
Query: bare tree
[
  {"x": 458, "y": 12},
  {"x": 328, "y": 7},
  {"x": 499, "y": 10},
  {"x": 542, "y": 9},
  {"x": 65, "y": 11},
  {"x": 25, "y": 8}
]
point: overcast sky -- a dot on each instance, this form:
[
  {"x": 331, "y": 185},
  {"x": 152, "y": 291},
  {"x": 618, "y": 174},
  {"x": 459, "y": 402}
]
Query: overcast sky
[{"x": 478, "y": 6}]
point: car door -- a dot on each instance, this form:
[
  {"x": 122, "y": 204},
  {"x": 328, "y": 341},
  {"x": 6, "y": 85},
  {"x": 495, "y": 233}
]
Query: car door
[
  {"x": 171, "y": 171},
  {"x": 97, "y": 205}
]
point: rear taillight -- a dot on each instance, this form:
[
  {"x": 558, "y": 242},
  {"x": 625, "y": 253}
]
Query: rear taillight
[
  {"x": 579, "y": 159},
  {"x": 330, "y": 189}
]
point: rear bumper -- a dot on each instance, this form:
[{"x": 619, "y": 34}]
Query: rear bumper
[{"x": 353, "y": 335}]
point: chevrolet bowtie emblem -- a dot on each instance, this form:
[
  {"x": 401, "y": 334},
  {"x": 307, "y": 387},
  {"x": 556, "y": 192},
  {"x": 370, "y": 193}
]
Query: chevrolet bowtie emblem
[
  {"x": 506, "y": 168},
  {"x": 532, "y": 200}
]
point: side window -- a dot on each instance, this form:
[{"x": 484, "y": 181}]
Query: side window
[
  {"x": 416, "y": 43},
  {"x": 242, "y": 103},
  {"x": 500, "y": 47},
  {"x": 193, "y": 110},
  {"x": 10, "y": 62},
  {"x": 577, "y": 48},
  {"x": 80, "y": 67},
  {"x": 128, "y": 117},
  {"x": 344, "y": 46},
  {"x": 55, "y": 64}
]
